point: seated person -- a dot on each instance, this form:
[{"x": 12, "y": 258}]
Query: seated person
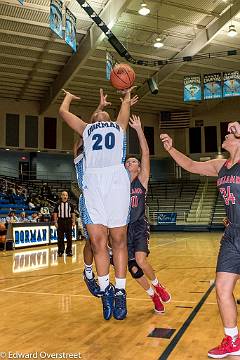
[
  {"x": 22, "y": 217},
  {"x": 34, "y": 217},
  {"x": 11, "y": 218}
]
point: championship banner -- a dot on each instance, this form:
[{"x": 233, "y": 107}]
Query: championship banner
[
  {"x": 192, "y": 88},
  {"x": 56, "y": 17},
  {"x": 109, "y": 64},
  {"x": 212, "y": 86},
  {"x": 70, "y": 29},
  {"x": 231, "y": 84}
]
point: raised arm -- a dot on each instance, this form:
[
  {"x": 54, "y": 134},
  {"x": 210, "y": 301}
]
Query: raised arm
[
  {"x": 209, "y": 168},
  {"x": 72, "y": 120},
  {"x": 144, "y": 174},
  {"x": 124, "y": 113}
]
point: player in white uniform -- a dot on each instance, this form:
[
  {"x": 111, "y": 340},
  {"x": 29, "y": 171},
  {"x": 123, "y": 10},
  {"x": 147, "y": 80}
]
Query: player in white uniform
[
  {"x": 88, "y": 274},
  {"x": 106, "y": 190}
]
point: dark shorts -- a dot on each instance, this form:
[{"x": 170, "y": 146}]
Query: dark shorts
[
  {"x": 138, "y": 238},
  {"x": 229, "y": 253}
]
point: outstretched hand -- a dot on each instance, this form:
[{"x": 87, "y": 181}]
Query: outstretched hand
[
  {"x": 135, "y": 122},
  {"x": 73, "y": 97},
  {"x": 133, "y": 100},
  {"x": 103, "y": 99},
  {"x": 167, "y": 141}
]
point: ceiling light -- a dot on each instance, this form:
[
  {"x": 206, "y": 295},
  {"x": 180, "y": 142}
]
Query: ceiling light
[
  {"x": 232, "y": 31},
  {"x": 158, "y": 43},
  {"x": 144, "y": 10}
]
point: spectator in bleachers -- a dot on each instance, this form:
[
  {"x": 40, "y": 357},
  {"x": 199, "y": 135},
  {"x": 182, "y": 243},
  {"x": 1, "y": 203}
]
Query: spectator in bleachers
[
  {"x": 44, "y": 202},
  {"x": 11, "y": 218},
  {"x": 22, "y": 217},
  {"x": 10, "y": 195},
  {"x": 31, "y": 204},
  {"x": 45, "y": 213},
  {"x": 34, "y": 217},
  {"x": 37, "y": 202}
]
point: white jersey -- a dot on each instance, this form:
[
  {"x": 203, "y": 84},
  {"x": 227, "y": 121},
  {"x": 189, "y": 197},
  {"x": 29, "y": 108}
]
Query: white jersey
[{"x": 104, "y": 145}]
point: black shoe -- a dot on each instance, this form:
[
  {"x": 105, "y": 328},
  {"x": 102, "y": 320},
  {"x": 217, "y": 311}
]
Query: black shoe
[
  {"x": 69, "y": 254},
  {"x": 107, "y": 298},
  {"x": 92, "y": 285},
  {"x": 60, "y": 254},
  {"x": 120, "y": 307}
]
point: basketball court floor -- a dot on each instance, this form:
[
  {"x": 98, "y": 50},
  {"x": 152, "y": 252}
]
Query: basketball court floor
[{"x": 46, "y": 308}]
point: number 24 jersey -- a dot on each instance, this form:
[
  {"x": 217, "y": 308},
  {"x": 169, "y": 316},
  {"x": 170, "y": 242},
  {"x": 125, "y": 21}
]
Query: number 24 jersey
[{"x": 229, "y": 187}]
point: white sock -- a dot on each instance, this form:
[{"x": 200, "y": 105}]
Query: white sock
[
  {"x": 150, "y": 291},
  {"x": 233, "y": 332},
  {"x": 120, "y": 283},
  {"x": 88, "y": 271},
  {"x": 155, "y": 282},
  {"x": 103, "y": 282}
]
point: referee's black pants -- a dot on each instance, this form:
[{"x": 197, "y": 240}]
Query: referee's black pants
[{"x": 64, "y": 228}]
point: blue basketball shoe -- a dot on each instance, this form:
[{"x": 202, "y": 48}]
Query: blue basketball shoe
[
  {"x": 120, "y": 307},
  {"x": 107, "y": 297},
  {"x": 92, "y": 285}
]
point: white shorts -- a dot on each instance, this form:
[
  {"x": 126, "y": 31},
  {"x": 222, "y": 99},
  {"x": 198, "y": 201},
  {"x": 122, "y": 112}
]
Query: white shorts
[{"x": 106, "y": 199}]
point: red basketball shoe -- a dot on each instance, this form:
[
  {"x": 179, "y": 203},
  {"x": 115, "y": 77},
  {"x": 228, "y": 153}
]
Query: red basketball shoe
[
  {"x": 163, "y": 293},
  {"x": 159, "y": 307},
  {"x": 227, "y": 347}
]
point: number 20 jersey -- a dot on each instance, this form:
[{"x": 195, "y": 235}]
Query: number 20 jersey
[
  {"x": 229, "y": 187},
  {"x": 104, "y": 145}
]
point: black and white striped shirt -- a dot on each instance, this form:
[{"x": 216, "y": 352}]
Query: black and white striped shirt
[{"x": 64, "y": 210}]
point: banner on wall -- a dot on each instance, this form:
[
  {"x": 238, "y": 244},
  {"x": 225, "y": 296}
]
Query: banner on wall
[
  {"x": 70, "y": 29},
  {"x": 212, "y": 85},
  {"x": 109, "y": 64},
  {"x": 30, "y": 236},
  {"x": 56, "y": 17},
  {"x": 53, "y": 234},
  {"x": 166, "y": 218},
  {"x": 231, "y": 84},
  {"x": 192, "y": 88}
]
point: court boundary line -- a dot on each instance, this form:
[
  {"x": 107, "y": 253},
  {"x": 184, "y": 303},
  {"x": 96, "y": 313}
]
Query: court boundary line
[
  {"x": 171, "y": 346},
  {"x": 36, "y": 280},
  {"x": 92, "y": 297}
]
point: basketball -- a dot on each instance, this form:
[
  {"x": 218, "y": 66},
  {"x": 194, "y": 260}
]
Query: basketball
[{"x": 122, "y": 76}]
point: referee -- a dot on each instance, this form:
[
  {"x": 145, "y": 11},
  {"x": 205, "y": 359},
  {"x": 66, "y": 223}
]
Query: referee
[{"x": 64, "y": 220}]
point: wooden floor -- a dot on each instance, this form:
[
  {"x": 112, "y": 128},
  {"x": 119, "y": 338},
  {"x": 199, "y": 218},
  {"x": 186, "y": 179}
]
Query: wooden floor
[{"x": 45, "y": 306}]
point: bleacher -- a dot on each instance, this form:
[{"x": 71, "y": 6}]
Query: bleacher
[
  {"x": 34, "y": 187},
  {"x": 175, "y": 196},
  {"x": 18, "y": 206},
  {"x": 219, "y": 211}
]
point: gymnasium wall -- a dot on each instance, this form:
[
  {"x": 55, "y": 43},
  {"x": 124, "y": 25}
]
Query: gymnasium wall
[{"x": 211, "y": 113}]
